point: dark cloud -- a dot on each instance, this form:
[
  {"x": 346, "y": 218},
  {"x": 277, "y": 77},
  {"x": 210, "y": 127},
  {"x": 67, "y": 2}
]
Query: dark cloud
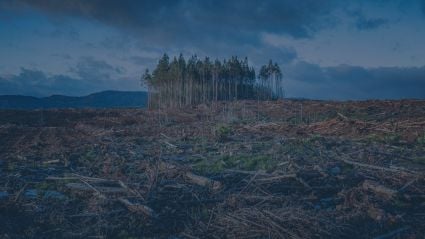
[
  {"x": 37, "y": 83},
  {"x": 180, "y": 20},
  {"x": 283, "y": 55},
  {"x": 215, "y": 28},
  {"x": 141, "y": 60},
  {"x": 351, "y": 82},
  {"x": 62, "y": 56},
  {"x": 68, "y": 34},
  {"x": 89, "y": 68},
  {"x": 257, "y": 55},
  {"x": 121, "y": 43},
  {"x": 60, "y": 32},
  {"x": 363, "y": 22},
  {"x": 371, "y": 23},
  {"x": 92, "y": 76},
  {"x": 422, "y": 6}
]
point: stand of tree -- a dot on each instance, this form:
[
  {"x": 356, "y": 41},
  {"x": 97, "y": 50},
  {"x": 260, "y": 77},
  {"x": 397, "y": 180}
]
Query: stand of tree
[{"x": 178, "y": 83}]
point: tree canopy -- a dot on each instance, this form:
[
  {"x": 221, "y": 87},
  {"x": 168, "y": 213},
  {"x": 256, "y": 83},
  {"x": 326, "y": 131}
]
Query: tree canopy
[{"x": 180, "y": 82}]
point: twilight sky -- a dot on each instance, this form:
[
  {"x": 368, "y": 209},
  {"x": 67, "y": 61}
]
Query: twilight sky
[{"x": 327, "y": 49}]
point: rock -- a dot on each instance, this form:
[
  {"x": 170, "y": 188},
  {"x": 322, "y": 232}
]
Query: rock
[
  {"x": 4, "y": 196},
  {"x": 335, "y": 170},
  {"x": 379, "y": 189},
  {"x": 31, "y": 194},
  {"x": 54, "y": 195},
  {"x": 376, "y": 214},
  {"x": 327, "y": 203}
]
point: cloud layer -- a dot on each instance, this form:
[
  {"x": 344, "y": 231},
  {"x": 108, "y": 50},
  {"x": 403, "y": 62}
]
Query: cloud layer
[
  {"x": 349, "y": 82},
  {"x": 301, "y": 79},
  {"x": 90, "y": 75},
  {"x": 37, "y": 83},
  {"x": 177, "y": 21},
  {"x": 76, "y": 47}
]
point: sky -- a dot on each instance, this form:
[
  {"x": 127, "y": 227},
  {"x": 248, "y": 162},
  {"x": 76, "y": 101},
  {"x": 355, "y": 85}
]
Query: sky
[{"x": 327, "y": 49}]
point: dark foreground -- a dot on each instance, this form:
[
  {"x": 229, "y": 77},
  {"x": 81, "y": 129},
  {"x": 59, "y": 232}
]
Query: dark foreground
[{"x": 291, "y": 169}]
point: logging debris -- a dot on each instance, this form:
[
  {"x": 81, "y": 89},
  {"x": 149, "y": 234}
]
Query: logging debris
[{"x": 235, "y": 169}]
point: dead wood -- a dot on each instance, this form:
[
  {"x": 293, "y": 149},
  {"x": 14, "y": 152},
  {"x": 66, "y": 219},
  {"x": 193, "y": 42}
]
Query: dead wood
[
  {"x": 99, "y": 189},
  {"x": 202, "y": 181},
  {"x": 137, "y": 208},
  {"x": 349, "y": 170},
  {"x": 379, "y": 189},
  {"x": 393, "y": 233}
]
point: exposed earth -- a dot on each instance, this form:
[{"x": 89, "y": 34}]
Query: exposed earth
[{"x": 246, "y": 169}]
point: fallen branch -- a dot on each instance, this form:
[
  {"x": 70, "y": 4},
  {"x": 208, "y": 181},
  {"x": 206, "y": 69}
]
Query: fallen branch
[
  {"x": 20, "y": 192},
  {"x": 300, "y": 180},
  {"x": 342, "y": 116},
  {"x": 259, "y": 173},
  {"x": 393, "y": 233},
  {"x": 393, "y": 170},
  {"x": 277, "y": 177},
  {"x": 90, "y": 178},
  {"x": 407, "y": 185},
  {"x": 51, "y": 161},
  {"x": 79, "y": 178},
  {"x": 202, "y": 181},
  {"x": 136, "y": 193},
  {"x": 170, "y": 144},
  {"x": 137, "y": 208},
  {"x": 97, "y": 189}
]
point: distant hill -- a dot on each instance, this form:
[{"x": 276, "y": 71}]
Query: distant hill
[{"x": 104, "y": 99}]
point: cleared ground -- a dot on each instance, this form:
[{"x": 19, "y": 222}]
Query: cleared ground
[{"x": 282, "y": 169}]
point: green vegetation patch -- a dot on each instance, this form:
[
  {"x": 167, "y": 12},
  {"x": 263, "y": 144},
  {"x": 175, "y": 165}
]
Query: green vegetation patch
[
  {"x": 419, "y": 160},
  {"x": 89, "y": 156},
  {"x": 392, "y": 138},
  {"x": 389, "y": 138},
  {"x": 240, "y": 162},
  {"x": 222, "y": 132},
  {"x": 421, "y": 139}
]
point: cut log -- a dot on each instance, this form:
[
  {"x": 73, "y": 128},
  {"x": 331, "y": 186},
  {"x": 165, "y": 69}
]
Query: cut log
[
  {"x": 101, "y": 189},
  {"x": 52, "y": 161},
  {"x": 342, "y": 116},
  {"x": 276, "y": 178},
  {"x": 379, "y": 189},
  {"x": 202, "y": 181},
  {"x": 137, "y": 208},
  {"x": 393, "y": 169},
  {"x": 95, "y": 180},
  {"x": 259, "y": 172}
]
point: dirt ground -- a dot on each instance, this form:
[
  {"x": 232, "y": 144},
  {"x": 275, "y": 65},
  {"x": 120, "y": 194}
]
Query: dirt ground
[{"x": 246, "y": 169}]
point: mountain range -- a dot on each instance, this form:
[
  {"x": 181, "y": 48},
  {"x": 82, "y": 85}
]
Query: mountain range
[{"x": 104, "y": 99}]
